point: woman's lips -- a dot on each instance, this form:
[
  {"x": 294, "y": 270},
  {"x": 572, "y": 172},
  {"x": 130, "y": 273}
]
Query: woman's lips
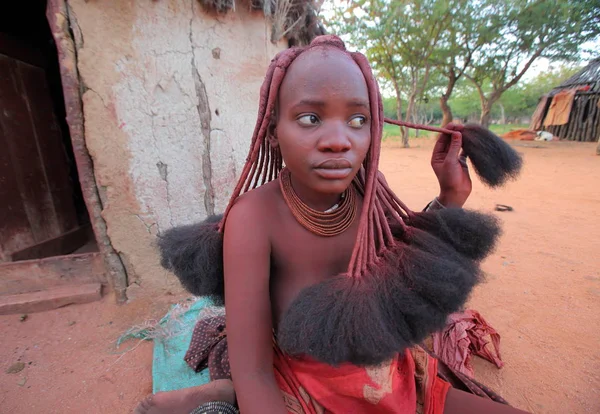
[
  {"x": 334, "y": 169},
  {"x": 335, "y": 164}
]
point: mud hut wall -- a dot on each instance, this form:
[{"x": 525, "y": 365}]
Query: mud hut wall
[
  {"x": 584, "y": 119},
  {"x": 170, "y": 95}
]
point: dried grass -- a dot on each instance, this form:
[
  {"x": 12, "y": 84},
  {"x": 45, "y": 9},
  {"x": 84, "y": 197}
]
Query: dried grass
[
  {"x": 295, "y": 20},
  {"x": 170, "y": 325}
]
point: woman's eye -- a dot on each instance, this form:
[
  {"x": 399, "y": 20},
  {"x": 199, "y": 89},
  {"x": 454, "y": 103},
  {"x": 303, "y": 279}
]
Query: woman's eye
[
  {"x": 308, "y": 120},
  {"x": 357, "y": 121}
]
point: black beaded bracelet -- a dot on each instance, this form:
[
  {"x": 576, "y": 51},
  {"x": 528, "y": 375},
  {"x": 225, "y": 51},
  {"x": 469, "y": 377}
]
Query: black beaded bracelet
[{"x": 215, "y": 407}]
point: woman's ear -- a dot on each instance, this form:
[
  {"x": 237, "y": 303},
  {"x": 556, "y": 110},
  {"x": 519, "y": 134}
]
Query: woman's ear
[{"x": 272, "y": 133}]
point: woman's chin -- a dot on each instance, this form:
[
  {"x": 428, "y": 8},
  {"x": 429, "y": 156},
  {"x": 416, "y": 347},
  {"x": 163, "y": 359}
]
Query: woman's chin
[
  {"x": 333, "y": 181},
  {"x": 333, "y": 186}
]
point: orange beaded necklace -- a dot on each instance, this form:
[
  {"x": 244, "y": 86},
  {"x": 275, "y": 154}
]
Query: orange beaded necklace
[{"x": 328, "y": 223}]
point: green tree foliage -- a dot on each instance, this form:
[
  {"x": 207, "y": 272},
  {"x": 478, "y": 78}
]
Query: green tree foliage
[
  {"x": 522, "y": 99},
  {"x": 422, "y": 50},
  {"x": 518, "y": 102},
  {"x": 390, "y": 108},
  {"x": 399, "y": 38},
  {"x": 473, "y": 27},
  {"x": 465, "y": 102},
  {"x": 526, "y": 30}
]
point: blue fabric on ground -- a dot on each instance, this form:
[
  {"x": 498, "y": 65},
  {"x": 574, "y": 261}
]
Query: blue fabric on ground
[{"x": 169, "y": 370}]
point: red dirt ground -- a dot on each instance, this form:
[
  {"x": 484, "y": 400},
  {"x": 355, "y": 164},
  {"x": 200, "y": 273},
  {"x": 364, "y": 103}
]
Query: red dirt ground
[{"x": 542, "y": 295}]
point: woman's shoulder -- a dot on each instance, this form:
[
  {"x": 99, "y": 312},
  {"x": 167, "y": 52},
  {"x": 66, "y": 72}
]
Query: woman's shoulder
[{"x": 258, "y": 206}]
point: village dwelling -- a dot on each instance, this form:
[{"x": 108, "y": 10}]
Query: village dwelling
[
  {"x": 571, "y": 111},
  {"x": 120, "y": 120}
]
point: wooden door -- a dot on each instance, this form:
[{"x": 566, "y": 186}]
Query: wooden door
[{"x": 37, "y": 210}]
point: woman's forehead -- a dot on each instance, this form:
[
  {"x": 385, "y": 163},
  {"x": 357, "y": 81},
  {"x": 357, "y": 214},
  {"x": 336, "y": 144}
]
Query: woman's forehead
[{"x": 323, "y": 71}]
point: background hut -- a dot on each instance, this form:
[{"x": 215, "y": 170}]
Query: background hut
[{"x": 571, "y": 111}]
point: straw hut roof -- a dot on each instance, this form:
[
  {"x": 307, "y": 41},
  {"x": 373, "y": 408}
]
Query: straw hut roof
[
  {"x": 295, "y": 20},
  {"x": 590, "y": 76}
]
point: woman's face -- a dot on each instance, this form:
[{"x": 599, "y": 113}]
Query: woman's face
[{"x": 323, "y": 124}]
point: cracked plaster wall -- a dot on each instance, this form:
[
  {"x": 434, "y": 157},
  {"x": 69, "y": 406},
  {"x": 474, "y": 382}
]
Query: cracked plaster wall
[{"x": 170, "y": 102}]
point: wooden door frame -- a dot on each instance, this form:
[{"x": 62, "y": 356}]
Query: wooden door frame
[{"x": 58, "y": 19}]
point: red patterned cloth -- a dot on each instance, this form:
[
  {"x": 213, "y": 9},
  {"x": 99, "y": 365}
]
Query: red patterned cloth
[
  {"x": 208, "y": 348},
  {"x": 406, "y": 384},
  {"x": 467, "y": 334},
  {"x": 403, "y": 385}
]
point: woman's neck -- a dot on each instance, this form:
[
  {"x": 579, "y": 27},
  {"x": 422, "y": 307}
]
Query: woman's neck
[{"x": 317, "y": 201}]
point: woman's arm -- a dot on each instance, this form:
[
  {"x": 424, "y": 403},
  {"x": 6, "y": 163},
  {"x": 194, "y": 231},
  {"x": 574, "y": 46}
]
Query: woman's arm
[{"x": 246, "y": 256}]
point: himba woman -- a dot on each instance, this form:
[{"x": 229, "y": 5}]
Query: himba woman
[{"x": 330, "y": 281}]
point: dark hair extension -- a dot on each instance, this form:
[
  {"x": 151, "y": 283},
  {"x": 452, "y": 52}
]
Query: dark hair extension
[
  {"x": 493, "y": 159},
  {"x": 400, "y": 300},
  {"x": 194, "y": 253},
  {"x": 471, "y": 233}
]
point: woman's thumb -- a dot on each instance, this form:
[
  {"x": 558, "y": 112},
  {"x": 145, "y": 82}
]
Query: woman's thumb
[{"x": 455, "y": 145}]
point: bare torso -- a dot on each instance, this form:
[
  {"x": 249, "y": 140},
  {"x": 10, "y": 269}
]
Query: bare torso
[{"x": 299, "y": 258}]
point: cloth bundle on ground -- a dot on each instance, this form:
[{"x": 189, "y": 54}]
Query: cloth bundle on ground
[{"x": 465, "y": 334}]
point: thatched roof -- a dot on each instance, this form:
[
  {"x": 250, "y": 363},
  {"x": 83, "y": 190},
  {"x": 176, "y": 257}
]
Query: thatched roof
[
  {"x": 590, "y": 75},
  {"x": 295, "y": 20}
]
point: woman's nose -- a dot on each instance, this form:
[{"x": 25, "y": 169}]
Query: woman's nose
[{"x": 335, "y": 138}]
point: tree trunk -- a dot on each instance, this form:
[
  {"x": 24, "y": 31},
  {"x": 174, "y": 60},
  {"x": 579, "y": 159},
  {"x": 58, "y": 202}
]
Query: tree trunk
[
  {"x": 486, "y": 115},
  {"x": 485, "y": 103},
  {"x": 486, "y": 108},
  {"x": 409, "y": 112},
  {"x": 446, "y": 110},
  {"x": 403, "y": 131},
  {"x": 598, "y": 147},
  {"x": 502, "y": 114},
  {"x": 416, "y": 120}
]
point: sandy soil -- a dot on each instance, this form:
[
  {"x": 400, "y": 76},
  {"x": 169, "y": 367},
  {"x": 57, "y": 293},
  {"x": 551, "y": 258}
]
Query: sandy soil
[
  {"x": 542, "y": 295},
  {"x": 543, "y": 282}
]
